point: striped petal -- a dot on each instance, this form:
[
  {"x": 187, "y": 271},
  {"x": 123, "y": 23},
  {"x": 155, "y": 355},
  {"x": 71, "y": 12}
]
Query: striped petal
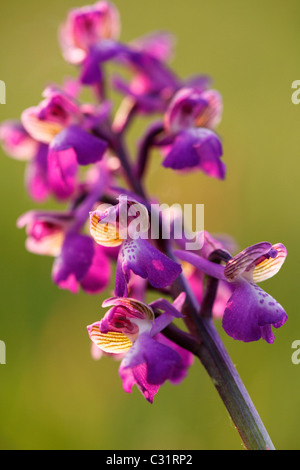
[
  {"x": 104, "y": 234},
  {"x": 112, "y": 342},
  {"x": 243, "y": 260},
  {"x": 134, "y": 308},
  {"x": 268, "y": 267}
]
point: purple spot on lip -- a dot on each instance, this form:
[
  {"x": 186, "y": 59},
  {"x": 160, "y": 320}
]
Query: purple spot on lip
[
  {"x": 261, "y": 301},
  {"x": 271, "y": 304}
]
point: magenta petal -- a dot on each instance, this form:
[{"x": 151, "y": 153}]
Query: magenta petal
[
  {"x": 197, "y": 148},
  {"x": 146, "y": 261},
  {"x": 103, "y": 51},
  {"x": 99, "y": 273},
  {"x": 70, "y": 283},
  {"x": 148, "y": 364},
  {"x": 161, "y": 360},
  {"x": 121, "y": 289},
  {"x": 36, "y": 176},
  {"x": 62, "y": 169},
  {"x": 88, "y": 148},
  {"x": 250, "y": 313},
  {"x": 74, "y": 261},
  {"x": 138, "y": 376},
  {"x": 187, "y": 359}
]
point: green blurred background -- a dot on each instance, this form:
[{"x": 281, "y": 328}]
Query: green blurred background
[{"x": 52, "y": 394}]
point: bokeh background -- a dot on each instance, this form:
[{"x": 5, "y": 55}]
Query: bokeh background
[{"x": 52, "y": 394}]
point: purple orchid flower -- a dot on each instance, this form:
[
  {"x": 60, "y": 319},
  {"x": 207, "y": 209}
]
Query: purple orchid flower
[
  {"x": 81, "y": 263},
  {"x": 78, "y": 260},
  {"x": 86, "y": 26},
  {"x": 130, "y": 329},
  {"x": 191, "y": 142},
  {"x": 58, "y": 123},
  {"x": 193, "y": 107},
  {"x": 196, "y": 148},
  {"x": 186, "y": 137},
  {"x": 137, "y": 255},
  {"x": 250, "y": 312}
]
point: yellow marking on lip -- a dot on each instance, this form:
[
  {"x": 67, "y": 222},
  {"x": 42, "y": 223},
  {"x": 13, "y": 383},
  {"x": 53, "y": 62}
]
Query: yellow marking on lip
[
  {"x": 268, "y": 268},
  {"x": 111, "y": 342}
]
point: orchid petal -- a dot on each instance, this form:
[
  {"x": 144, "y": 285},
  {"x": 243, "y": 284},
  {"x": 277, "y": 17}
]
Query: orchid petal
[
  {"x": 105, "y": 234},
  {"x": 75, "y": 259},
  {"x": 240, "y": 262},
  {"x": 135, "y": 308},
  {"x": 99, "y": 273},
  {"x": 250, "y": 312},
  {"x": 36, "y": 175},
  {"x": 268, "y": 267},
  {"x": 138, "y": 376},
  {"x": 88, "y": 148},
  {"x": 62, "y": 170},
  {"x": 180, "y": 372},
  {"x": 197, "y": 148},
  {"x": 112, "y": 342},
  {"x": 146, "y": 261},
  {"x": 160, "y": 359}
]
